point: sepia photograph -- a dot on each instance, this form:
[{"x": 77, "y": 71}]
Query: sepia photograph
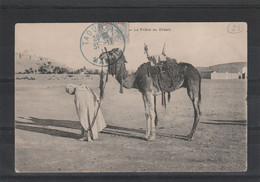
[{"x": 131, "y": 97}]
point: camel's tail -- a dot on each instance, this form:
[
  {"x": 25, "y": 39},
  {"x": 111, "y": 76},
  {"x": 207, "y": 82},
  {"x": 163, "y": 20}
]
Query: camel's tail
[
  {"x": 155, "y": 110},
  {"x": 169, "y": 96},
  {"x": 199, "y": 95},
  {"x": 200, "y": 90}
]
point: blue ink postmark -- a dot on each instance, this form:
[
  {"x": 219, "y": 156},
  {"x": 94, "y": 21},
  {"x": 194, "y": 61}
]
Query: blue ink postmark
[{"x": 98, "y": 36}]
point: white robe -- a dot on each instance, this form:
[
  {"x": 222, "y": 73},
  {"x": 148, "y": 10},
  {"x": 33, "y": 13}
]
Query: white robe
[{"x": 86, "y": 102}]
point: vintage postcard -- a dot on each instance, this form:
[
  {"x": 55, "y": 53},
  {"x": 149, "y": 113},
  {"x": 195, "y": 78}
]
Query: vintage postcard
[{"x": 130, "y": 97}]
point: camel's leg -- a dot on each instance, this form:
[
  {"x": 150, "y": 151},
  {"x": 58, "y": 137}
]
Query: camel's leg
[
  {"x": 151, "y": 114},
  {"x": 193, "y": 94},
  {"x": 155, "y": 111},
  {"x": 198, "y": 106},
  {"x": 150, "y": 105},
  {"x": 196, "y": 120},
  {"x": 121, "y": 88},
  {"x": 147, "y": 117}
]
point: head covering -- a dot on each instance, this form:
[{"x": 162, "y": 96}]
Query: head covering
[{"x": 70, "y": 88}]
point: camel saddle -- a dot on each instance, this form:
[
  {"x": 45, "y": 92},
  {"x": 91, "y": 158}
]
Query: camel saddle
[{"x": 166, "y": 75}]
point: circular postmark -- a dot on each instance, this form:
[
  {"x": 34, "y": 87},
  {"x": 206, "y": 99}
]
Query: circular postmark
[
  {"x": 99, "y": 37},
  {"x": 235, "y": 28}
]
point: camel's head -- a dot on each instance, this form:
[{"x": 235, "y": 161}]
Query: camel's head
[
  {"x": 113, "y": 56},
  {"x": 115, "y": 60},
  {"x": 104, "y": 56}
]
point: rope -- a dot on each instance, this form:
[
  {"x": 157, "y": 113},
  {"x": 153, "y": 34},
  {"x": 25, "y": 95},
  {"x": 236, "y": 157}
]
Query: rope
[{"x": 101, "y": 95}]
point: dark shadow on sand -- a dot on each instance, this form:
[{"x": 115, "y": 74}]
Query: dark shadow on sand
[
  {"x": 117, "y": 130},
  {"x": 52, "y": 132},
  {"x": 51, "y": 122},
  {"x": 122, "y": 134},
  {"x": 226, "y": 122},
  {"x": 38, "y": 125},
  {"x": 125, "y": 129}
]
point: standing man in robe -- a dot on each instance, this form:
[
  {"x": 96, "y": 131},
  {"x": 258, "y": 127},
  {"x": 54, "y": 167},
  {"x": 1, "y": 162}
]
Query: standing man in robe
[{"x": 86, "y": 102}]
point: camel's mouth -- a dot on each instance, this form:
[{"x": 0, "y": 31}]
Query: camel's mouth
[{"x": 102, "y": 56}]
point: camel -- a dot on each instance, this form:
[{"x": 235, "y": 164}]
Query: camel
[{"x": 161, "y": 74}]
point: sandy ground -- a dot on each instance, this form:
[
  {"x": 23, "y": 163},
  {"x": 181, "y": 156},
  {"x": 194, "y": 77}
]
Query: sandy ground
[{"x": 47, "y": 129}]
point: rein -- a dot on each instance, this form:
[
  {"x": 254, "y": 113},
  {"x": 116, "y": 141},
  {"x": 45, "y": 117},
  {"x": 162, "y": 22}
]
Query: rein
[{"x": 102, "y": 87}]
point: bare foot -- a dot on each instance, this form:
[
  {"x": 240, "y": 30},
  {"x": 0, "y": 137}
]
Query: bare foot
[
  {"x": 189, "y": 137},
  {"x": 152, "y": 137},
  {"x": 147, "y": 136},
  {"x": 83, "y": 139}
]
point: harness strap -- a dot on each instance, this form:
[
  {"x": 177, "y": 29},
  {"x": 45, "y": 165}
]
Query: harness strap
[{"x": 159, "y": 75}]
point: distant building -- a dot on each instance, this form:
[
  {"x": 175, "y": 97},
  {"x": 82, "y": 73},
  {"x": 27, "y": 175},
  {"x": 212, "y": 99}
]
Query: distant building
[
  {"x": 205, "y": 74},
  {"x": 244, "y": 73},
  {"x": 236, "y": 70},
  {"x": 215, "y": 75},
  {"x": 227, "y": 75}
]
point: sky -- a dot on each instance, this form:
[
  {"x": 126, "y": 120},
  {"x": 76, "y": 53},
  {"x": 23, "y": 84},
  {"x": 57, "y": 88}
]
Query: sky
[{"x": 201, "y": 44}]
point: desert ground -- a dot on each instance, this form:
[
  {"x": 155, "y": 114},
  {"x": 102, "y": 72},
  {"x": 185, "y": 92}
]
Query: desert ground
[{"x": 47, "y": 129}]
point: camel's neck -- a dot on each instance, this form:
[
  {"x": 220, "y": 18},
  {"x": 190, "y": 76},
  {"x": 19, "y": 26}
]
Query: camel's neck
[
  {"x": 128, "y": 81},
  {"x": 125, "y": 78},
  {"x": 122, "y": 76}
]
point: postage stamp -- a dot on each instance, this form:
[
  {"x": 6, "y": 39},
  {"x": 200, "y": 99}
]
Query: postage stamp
[
  {"x": 99, "y": 37},
  {"x": 104, "y": 28}
]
